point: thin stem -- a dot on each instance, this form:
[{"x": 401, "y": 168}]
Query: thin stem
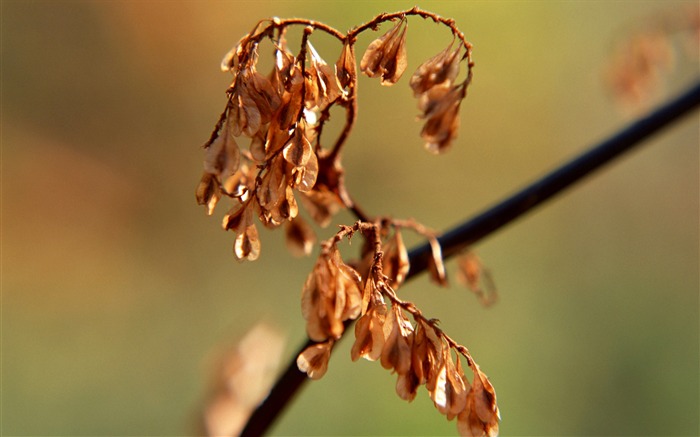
[{"x": 492, "y": 220}]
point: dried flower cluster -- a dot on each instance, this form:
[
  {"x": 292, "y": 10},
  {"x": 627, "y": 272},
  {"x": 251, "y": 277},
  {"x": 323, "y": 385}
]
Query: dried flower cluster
[
  {"x": 280, "y": 117},
  {"x": 639, "y": 67},
  {"x": 420, "y": 353}
]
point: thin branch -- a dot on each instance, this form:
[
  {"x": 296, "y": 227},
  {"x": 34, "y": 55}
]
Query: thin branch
[{"x": 484, "y": 224}]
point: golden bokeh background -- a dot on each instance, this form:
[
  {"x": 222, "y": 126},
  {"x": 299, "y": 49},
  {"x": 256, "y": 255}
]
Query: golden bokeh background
[{"x": 117, "y": 289}]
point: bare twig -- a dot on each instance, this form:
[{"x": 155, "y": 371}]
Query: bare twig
[{"x": 491, "y": 220}]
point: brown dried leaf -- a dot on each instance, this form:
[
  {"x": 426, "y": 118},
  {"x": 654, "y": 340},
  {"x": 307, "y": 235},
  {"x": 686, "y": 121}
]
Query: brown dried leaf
[{"x": 386, "y": 56}]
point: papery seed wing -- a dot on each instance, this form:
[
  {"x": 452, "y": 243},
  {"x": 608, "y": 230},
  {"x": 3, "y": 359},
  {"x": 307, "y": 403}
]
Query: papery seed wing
[
  {"x": 436, "y": 263},
  {"x": 443, "y": 67},
  {"x": 314, "y": 360},
  {"x": 300, "y": 237},
  {"x": 247, "y": 244},
  {"x": 397, "y": 60},
  {"x": 298, "y": 150},
  {"x": 396, "y": 264},
  {"x": 345, "y": 67},
  {"x": 363, "y": 338},
  {"x": 484, "y": 396},
  {"x": 208, "y": 192},
  {"x": 407, "y": 386}
]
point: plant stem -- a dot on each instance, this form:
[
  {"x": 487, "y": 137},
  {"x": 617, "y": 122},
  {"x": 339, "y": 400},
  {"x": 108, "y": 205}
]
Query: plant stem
[{"x": 491, "y": 220}]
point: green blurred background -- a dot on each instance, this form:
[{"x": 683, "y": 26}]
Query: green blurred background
[{"x": 117, "y": 288}]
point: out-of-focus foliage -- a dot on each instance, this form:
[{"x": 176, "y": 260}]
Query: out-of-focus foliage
[{"x": 116, "y": 287}]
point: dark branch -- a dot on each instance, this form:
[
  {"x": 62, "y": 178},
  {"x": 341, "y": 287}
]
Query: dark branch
[{"x": 471, "y": 231}]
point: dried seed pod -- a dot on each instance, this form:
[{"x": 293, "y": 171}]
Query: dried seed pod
[
  {"x": 324, "y": 81},
  {"x": 223, "y": 157},
  {"x": 246, "y": 117},
  {"x": 385, "y": 57},
  {"x": 436, "y": 264},
  {"x": 300, "y": 237},
  {"x": 440, "y": 107},
  {"x": 330, "y": 296},
  {"x": 472, "y": 274},
  {"x": 208, "y": 192},
  {"x": 396, "y": 354},
  {"x": 441, "y": 68},
  {"x": 396, "y": 265},
  {"x": 314, "y": 359},
  {"x": 369, "y": 334},
  {"x": 247, "y": 244},
  {"x": 345, "y": 66},
  {"x": 407, "y": 385},
  {"x": 298, "y": 150}
]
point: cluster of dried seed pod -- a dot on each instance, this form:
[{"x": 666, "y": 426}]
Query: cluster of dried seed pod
[
  {"x": 281, "y": 117},
  {"x": 419, "y": 353}
]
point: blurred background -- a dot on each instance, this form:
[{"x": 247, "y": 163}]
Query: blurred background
[{"x": 118, "y": 292}]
